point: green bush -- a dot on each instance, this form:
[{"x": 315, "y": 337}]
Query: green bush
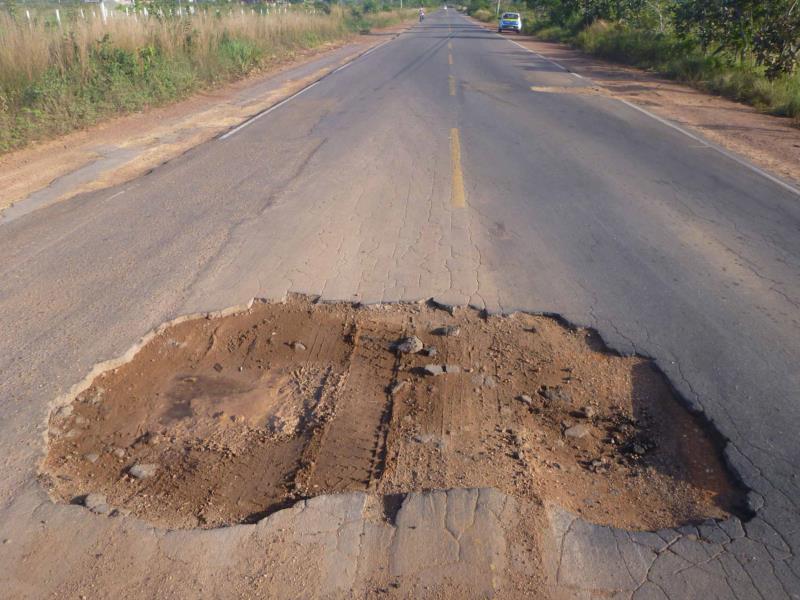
[
  {"x": 54, "y": 80},
  {"x": 684, "y": 60},
  {"x": 240, "y": 56},
  {"x": 484, "y": 15},
  {"x": 552, "y": 33}
]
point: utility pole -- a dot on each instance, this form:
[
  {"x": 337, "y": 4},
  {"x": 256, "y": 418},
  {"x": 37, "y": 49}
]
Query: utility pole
[{"x": 497, "y": 14}]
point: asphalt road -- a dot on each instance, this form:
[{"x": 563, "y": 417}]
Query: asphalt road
[{"x": 447, "y": 163}]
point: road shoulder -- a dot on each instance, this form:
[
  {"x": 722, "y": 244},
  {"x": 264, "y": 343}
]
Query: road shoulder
[
  {"x": 771, "y": 143},
  {"x": 127, "y": 147}
]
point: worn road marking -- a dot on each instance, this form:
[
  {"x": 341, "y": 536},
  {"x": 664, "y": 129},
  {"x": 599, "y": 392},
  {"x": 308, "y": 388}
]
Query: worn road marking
[
  {"x": 457, "y": 194},
  {"x": 450, "y": 59},
  {"x": 452, "y": 82},
  {"x": 265, "y": 112},
  {"x": 698, "y": 138},
  {"x": 449, "y": 45}
]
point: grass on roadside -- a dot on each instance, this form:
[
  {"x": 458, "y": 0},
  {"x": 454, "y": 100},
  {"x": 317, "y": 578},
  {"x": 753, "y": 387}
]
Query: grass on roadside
[
  {"x": 685, "y": 61},
  {"x": 57, "y": 79},
  {"x": 682, "y": 60}
]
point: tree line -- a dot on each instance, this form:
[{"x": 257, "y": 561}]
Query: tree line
[{"x": 764, "y": 32}]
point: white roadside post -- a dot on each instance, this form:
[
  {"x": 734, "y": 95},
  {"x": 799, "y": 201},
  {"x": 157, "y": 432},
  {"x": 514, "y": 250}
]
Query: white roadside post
[{"x": 58, "y": 17}]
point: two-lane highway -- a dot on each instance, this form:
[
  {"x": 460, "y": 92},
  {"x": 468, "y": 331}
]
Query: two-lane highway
[{"x": 448, "y": 163}]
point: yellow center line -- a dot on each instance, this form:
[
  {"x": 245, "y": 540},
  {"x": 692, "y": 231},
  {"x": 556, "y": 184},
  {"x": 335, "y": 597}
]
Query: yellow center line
[
  {"x": 449, "y": 59},
  {"x": 452, "y": 82},
  {"x": 449, "y": 45},
  {"x": 457, "y": 193}
]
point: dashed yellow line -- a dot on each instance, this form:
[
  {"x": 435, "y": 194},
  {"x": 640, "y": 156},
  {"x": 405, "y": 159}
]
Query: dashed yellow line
[
  {"x": 457, "y": 193},
  {"x": 452, "y": 81},
  {"x": 450, "y": 59},
  {"x": 449, "y": 45}
]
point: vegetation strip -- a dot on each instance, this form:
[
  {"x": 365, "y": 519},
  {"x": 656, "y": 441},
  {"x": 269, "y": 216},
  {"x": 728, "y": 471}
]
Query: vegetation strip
[
  {"x": 55, "y": 78},
  {"x": 744, "y": 50}
]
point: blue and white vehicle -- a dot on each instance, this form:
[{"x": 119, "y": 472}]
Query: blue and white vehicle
[{"x": 510, "y": 22}]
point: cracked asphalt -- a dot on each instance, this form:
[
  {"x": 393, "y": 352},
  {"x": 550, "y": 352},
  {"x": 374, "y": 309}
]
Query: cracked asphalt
[{"x": 573, "y": 204}]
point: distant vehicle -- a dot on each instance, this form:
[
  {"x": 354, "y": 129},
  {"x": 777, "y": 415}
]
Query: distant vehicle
[{"x": 510, "y": 22}]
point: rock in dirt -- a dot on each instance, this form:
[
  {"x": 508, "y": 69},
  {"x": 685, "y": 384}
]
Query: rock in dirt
[
  {"x": 555, "y": 394},
  {"x": 64, "y": 412},
  {"x": 525, "y": 399},
  {"x": 448, "y": 331},
  {"x": 96, "y": 503},
  {"x": 96, "y": 397},
  {"x": 152, "y": 438},
  {"x": 433, "y": 369},
  {"x": 143, "y": 471},
  {"x": 91, "y": 457},
  {"x": 409, "y": 345},
  {"x": 430, "y": 351},
  {"x": 577, "y": 431},
  {"x": 298, "y": 346},
  {"x": 398, "y": 387},
  {"x": 452, "y": 369},
  {"x": 587, "y": 412}
]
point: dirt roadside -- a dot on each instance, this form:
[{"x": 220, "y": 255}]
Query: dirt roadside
[
  {"x": 770, "y": 142},
  {"x": 124, "y": 148}
]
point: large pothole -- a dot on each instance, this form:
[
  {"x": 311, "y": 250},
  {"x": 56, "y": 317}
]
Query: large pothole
[{"x": 221, "y": 421}]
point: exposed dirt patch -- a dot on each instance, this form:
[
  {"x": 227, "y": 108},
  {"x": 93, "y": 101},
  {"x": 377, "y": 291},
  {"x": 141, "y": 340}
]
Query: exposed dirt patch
[
  {"x": 220, "y": 421},
  {"x": 575, "y": 90}
]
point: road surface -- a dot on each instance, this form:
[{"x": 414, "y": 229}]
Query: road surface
[{"x": 448, "y": 163}]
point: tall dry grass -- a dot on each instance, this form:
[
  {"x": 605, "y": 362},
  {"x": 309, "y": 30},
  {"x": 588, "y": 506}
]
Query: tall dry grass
[{"x": 56, "y": 78}]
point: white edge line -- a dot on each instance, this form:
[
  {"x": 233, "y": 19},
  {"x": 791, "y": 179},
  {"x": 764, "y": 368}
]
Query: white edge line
[
  {"x": 265, "y": 112},
  {"x": 745, "y": 163},
  {"x": 734, "y": 157}
]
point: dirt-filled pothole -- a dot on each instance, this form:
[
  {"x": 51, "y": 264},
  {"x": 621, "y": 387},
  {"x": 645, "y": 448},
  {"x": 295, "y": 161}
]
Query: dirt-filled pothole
[{"x": 221, "y": 421}]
